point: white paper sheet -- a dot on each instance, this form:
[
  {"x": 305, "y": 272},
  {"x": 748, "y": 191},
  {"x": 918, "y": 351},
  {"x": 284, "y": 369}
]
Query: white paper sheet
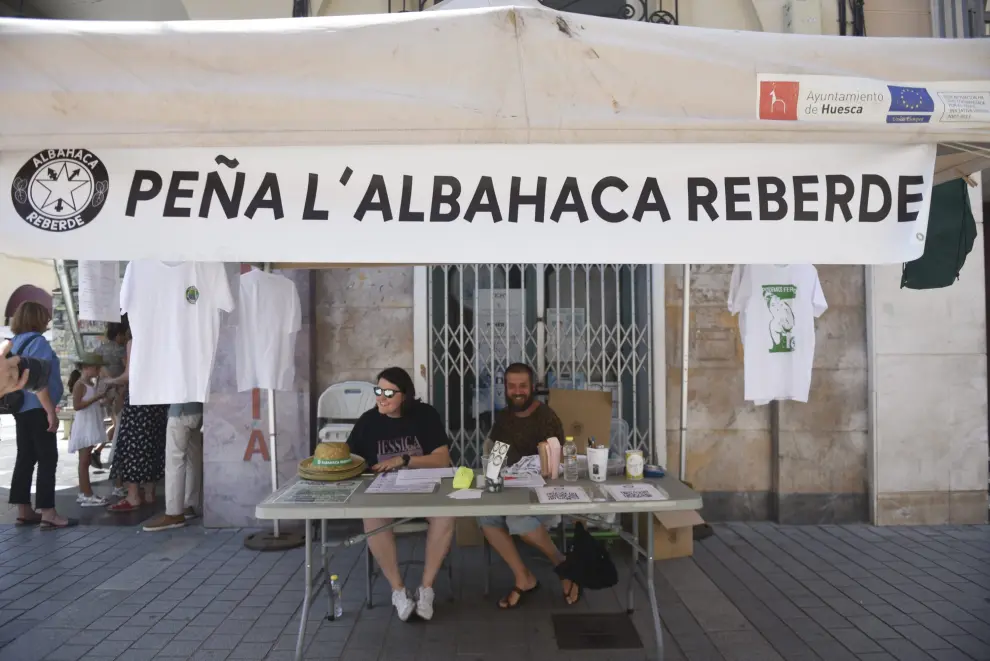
[
  {"x": 557, "y": 495},
  {"x": 466, "y": 494},
  {"x": 526, "y": 480},
  {"x": 631, "y": 492},
  {"x": 387, "y": 483},
  {"x": 412, "y": 475},
  {"x": 99, "y": 291}
]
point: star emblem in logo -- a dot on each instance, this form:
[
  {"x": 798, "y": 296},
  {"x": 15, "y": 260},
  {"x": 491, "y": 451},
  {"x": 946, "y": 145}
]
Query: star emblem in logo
[{"x": 61, "y": 188}]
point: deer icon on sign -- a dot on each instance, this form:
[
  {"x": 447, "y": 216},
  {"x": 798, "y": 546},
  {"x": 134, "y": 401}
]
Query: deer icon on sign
[{"x": 774, "y": 100}]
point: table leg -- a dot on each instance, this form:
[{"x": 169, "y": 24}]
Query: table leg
[
  {"x": 308, "y": 594},
  {"x": 326, "y": 567},
  {"x": 650, "y": 589},
  {"x": 631, "y": 590}
]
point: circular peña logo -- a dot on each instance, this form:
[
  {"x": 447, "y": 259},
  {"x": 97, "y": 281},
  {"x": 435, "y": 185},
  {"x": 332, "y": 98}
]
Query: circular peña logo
[
  {"x": 192, "y": 295},
  {"x": 59, "y": 190}
]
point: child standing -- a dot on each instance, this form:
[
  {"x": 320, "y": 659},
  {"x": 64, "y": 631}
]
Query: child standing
[{"x": 88, "y": 429}]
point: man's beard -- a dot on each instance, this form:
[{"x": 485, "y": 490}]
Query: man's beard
[{"x": 512, "y": 406}]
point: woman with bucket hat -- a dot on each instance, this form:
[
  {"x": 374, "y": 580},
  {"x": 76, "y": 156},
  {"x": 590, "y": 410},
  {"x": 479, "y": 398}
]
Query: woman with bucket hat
[{"x": 88, "y": 429}]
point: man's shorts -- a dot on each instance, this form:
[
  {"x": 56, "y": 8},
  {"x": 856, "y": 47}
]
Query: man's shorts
[{"x": 517, "y": 525}]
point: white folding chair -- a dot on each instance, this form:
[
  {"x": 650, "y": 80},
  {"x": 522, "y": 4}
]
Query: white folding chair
[{"x": 343, "y": 403}]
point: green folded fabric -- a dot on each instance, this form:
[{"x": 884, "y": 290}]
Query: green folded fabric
[{"x": 951, "y": 235}]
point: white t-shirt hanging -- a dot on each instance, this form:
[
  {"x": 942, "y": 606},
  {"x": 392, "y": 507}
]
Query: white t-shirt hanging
[
  {"x": 174, "y": 313},
  {"x": 268, "y": 317},
  {"x": 777, "y": 307}
]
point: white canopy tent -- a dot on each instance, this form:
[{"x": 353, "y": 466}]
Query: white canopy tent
[
  {"x": 526, "y": 93},
  {"x": 152, "y": 110},
  {"x": 501, "y": 74}
]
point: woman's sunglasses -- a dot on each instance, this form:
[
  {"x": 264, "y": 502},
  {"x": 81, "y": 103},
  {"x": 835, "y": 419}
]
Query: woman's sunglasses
[{"x": 388, "y": 393}]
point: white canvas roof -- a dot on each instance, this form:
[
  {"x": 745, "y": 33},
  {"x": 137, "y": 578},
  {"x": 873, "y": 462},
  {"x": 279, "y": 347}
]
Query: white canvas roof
[
  {"x": 488, "y": 75},
  {"x": 206, "y": 139}
]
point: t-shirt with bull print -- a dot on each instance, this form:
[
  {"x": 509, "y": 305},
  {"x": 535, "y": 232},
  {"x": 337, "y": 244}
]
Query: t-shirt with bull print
[{"x": 377, "y": 437}]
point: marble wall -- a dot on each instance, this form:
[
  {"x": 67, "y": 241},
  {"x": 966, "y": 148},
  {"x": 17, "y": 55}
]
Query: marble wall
[
  {"x": 364, "y": 323},
  {"x": 234, "y": 479},
  {"x": 930, "y": 425},
  {"x": 821, "y": 462}
]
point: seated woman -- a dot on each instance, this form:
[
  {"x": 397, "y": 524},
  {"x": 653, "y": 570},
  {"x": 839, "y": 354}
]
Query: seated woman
[{"x": 399, "y": 432}]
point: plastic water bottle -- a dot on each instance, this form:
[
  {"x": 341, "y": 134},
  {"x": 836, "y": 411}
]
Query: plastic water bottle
[
  {"x": 570, "y": 460},
  {"x": 338, "y": 607}
]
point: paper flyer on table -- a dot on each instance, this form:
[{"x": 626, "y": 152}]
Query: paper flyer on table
[
  {"x": 306, "y": 491},
  {"x": 412, "y": 475},
  {"x": 633, "y": 492},
  {"x": 388, "y": 483},
  {"x": 524, "y": 481},
  {"x": 557, "y": 494}
]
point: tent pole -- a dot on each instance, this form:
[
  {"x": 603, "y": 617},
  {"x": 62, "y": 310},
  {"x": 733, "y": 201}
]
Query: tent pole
[
  {"x": 685, "y": 361},
  {"x": 272, "y": 436},
  {"x": 276, "y": 540},
  {"x": 65, "y": 284}
]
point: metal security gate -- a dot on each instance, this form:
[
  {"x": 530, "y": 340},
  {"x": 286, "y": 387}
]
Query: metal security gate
[{"x": 584, "y": 326}]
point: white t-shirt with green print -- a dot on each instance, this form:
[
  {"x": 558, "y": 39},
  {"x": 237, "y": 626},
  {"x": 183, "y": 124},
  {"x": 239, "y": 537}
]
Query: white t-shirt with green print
[{"x": 777, "y": 306}]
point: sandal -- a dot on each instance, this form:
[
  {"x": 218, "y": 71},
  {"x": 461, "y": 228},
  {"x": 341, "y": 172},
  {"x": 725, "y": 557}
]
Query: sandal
[
  {"x": 522, "y": 597},
  {"x": 50, "y": 525},
  {"x": 27, "y": 522},
  {"x": 123, "y": 506},
  {"x": 569, "y": 593}
]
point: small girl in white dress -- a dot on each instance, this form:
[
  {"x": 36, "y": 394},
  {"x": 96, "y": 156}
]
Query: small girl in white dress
[{"x": 88, "y": 428}]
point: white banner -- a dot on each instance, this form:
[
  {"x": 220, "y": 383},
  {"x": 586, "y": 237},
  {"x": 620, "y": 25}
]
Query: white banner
[
  {"x": 839, "y": 99},
  {"x": 753, "y": 204}
]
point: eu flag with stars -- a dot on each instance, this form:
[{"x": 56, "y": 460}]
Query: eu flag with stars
[{"x": 910, "y": 99}]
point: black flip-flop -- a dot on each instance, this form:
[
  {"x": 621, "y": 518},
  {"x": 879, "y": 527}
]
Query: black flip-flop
[
  {"x": 69, "y": 523},
  {"x": 522, "y": 597},
  {"x": 27, "y": 522}
]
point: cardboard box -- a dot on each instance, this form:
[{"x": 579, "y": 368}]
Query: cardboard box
[
  {"x": 467, "y": 532},
  {"x": 584, "y": 413},
  {"x": 673, "y": 533}
]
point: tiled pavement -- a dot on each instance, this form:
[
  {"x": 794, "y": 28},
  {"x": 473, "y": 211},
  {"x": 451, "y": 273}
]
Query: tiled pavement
[
  {"x": 757, "y": 592},
  {"x": 67, "y": 484}
]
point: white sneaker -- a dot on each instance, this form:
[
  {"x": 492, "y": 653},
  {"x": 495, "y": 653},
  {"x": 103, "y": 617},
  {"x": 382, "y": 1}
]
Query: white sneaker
[
  {"x": 91, "y": 501},
  {"x": 118, "y": 492},
  {"x": 403, "y": 604},
  {"x": 424, "y": 603}
]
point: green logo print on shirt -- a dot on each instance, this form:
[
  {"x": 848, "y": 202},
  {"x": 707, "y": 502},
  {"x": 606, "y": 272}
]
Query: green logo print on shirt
[{"x": 778, "y": 298}]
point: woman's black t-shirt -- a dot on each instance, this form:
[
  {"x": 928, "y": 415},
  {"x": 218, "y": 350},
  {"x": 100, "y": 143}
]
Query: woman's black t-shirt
[{"x": 377, "y": 438}]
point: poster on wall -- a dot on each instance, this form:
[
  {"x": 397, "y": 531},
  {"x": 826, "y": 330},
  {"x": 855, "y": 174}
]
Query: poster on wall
[
  {"x": 461, "y": 204},
  {"x": 498, "y": 318},
  {"x": 99, "y": 290}
]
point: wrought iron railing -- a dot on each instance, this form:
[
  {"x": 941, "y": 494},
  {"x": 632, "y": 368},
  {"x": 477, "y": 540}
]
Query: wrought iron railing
[{"x": 656, "y": 11}]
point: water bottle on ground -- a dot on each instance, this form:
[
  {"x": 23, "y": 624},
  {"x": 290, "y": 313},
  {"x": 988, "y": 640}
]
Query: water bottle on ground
[
  {"x": 570, "y": 460},
  {"x": 338, "y": 607}
]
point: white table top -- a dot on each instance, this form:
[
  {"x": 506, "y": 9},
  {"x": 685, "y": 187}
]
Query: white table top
[{"x": 512, "y": 501}]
